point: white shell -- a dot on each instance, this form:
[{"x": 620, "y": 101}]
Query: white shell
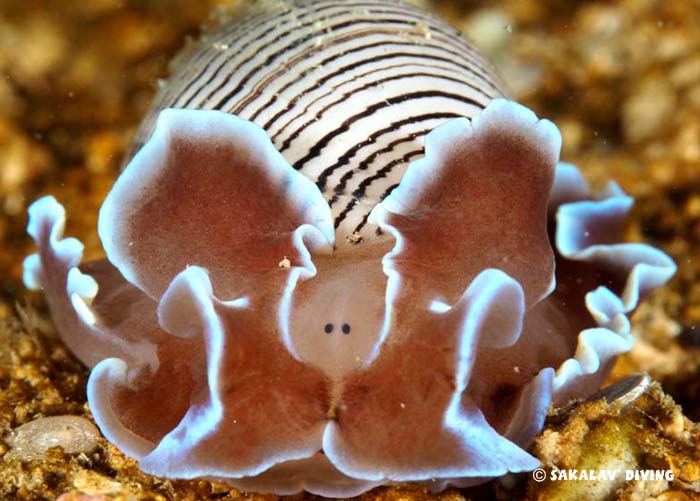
[{"x": 346, "y": 90}]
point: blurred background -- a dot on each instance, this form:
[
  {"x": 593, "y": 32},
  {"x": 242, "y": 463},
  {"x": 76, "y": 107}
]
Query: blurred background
[{"x": 621, "y": 79}]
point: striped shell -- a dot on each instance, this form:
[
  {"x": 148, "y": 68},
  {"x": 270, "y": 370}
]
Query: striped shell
[{"x": 346, "y": 90}]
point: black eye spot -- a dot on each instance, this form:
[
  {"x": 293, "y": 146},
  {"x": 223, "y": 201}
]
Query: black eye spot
[
  {"x": 328, "y": 328},
  {"x": 346, "y": 328}
]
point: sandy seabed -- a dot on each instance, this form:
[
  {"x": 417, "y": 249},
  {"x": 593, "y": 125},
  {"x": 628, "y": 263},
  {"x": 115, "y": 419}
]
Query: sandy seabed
[{"x": 620, "y": 78}]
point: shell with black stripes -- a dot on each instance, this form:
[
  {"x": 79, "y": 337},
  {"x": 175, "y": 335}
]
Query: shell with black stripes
[{"x": 331, "y": 262}]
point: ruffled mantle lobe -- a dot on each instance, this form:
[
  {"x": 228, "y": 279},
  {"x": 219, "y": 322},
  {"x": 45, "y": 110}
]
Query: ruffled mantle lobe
[{"x": 502, "y": 289}]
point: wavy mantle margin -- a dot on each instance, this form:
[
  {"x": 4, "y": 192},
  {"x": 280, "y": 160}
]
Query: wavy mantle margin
[
  {"x": 587, "y": 225},
  {"x": 587, "y": 228}
]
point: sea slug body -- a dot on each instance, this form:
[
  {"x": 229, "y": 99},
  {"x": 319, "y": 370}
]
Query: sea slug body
[{"x": 339, "y": 257}]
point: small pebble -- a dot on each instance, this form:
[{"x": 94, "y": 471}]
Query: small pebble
[
  {"x": 74, "y": 434},
  {"x": 648, "y": 110},
  {"x": 94, "y": 484},
  {"x": 489, "y": 28}
]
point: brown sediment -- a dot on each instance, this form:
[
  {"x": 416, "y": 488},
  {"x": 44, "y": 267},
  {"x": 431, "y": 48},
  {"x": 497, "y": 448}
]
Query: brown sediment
[
  {"x": 621, "y": 79},
  {"x": 640, "y": 430}
]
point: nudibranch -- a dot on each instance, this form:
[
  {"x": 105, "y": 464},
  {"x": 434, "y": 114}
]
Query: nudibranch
[{"x": 341, "y": 258}]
